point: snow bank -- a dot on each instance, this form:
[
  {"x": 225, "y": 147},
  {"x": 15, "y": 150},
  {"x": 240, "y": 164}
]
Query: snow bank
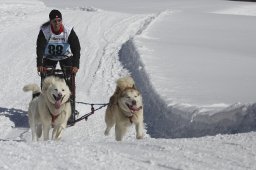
[{"x": 183, "y": 120}]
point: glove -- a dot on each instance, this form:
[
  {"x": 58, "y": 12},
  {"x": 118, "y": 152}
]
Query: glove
[
  {"x": 41, "y": 69},
  {"x": 74, "y": 70}
]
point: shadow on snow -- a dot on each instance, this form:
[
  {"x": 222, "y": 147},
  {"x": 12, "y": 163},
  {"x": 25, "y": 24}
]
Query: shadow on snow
[{"x": 17, "y": 116}]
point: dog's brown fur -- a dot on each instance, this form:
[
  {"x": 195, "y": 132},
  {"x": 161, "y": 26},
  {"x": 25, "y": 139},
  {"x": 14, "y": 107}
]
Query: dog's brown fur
[{"x": 124, "y": 109}]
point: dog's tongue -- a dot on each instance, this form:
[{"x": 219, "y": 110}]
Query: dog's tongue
[
  {"x": 57, "y": 104},
  {"x": 134, "y": 108}
]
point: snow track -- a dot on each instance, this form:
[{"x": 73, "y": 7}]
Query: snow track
[{"x": 109, "y": 51}]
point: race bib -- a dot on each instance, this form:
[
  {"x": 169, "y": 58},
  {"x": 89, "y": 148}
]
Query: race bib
[{"x": 57, "y": 51}]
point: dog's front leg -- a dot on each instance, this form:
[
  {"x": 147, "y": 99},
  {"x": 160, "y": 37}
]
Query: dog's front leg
[
  {"x": 120, "y": 132},
  {"x": 106, "y": 133},
  {"x": 139, "y": 130},
  {"x": 46, "y": 130},
  {"x": 109, "y": 124},
  {"x": 57, "y": 132},
  {"x": 54, "y": 133},
  {"x": 33, "y": 130},
  {"x": 34, "y": 136}
]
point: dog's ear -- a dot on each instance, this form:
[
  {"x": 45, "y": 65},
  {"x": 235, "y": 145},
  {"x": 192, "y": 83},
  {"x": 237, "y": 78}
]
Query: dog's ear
[
  {"x": 139, "y": 93},
  {"x": 134, "y": 87},
  {"x": 47, "y": 82},
  {"x": 117, "y": 91},
  {"x": 112, "y": 100}
]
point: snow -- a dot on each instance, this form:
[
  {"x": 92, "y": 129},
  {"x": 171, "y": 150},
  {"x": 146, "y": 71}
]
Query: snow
[{"x": 193, "y": 61}]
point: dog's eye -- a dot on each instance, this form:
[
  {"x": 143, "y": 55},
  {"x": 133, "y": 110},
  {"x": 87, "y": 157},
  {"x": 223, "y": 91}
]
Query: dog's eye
[
  {"x": 63, "y": 89},
  {"x": 56, "y": 89}
]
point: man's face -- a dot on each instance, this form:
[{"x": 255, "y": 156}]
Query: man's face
[{"x": 56, "y": 24}]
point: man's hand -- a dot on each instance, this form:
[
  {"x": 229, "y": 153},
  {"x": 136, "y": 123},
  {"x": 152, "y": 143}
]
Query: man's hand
[
  {"x": 41, "y": 69},
  {"x": 74, "y": 70}
]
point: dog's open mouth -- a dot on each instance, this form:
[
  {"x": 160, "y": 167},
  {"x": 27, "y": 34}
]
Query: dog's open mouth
[
  {"x": 58, "y": 100},
  {"x": 133, "y": 108}
]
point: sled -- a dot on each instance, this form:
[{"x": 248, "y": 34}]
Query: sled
[{"x": 66, "y": 74}]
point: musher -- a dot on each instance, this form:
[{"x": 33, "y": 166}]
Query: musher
[{"x": 58, "y": 43}]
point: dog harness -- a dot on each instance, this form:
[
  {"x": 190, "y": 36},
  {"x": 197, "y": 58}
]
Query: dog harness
[
  {"x": 54, "y": 117},
  {"x": 135, "y": 110}
]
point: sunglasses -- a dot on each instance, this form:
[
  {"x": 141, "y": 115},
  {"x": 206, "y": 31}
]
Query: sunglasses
[{"x": 56, "y": 20}]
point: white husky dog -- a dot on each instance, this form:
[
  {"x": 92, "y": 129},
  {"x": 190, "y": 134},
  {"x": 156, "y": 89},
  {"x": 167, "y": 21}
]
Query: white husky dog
[
  {"x": 124, "y": 109},
  {"x": 49, "y": 108}
]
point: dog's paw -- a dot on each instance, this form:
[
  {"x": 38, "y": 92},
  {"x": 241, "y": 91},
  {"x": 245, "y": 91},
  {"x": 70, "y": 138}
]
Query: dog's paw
[
  {"x": 106, "y": 133},
  {"x": 139, "y": 137},
  {"x": 118, "y": 138}
]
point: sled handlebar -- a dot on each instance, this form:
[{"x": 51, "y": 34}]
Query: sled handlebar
[{"x": 52, "y": 70}]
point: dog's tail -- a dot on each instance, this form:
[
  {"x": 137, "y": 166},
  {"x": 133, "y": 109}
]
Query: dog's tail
[
  {"x": 36, "y": 91},
  {"x": 125, "y": 82}
]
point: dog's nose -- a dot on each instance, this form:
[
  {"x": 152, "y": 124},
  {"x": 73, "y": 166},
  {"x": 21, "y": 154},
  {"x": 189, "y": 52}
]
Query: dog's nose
[
  {"x": 134, "y": 102},
  {"x": 60, "y": 95}
]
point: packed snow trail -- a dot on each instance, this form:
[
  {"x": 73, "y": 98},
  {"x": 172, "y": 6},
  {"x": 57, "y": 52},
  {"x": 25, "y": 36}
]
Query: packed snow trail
[{"x": 102, "y": 34}]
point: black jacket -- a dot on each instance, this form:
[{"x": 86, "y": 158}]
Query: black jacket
[{"x": 72, "y": 40}]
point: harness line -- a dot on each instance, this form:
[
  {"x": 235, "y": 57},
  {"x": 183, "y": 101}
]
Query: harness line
[{"x": 85, "y": 117}]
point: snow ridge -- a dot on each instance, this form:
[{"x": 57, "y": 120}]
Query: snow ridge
[
  {"x": 183, "y": 120},
  {"x": 86, "y": 9}
]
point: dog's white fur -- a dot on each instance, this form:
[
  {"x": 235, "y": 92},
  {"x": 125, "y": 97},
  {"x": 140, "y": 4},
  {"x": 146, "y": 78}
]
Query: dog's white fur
[
  {"x": 125, "y": 108},
  {"x": 52, "y": 103}
]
